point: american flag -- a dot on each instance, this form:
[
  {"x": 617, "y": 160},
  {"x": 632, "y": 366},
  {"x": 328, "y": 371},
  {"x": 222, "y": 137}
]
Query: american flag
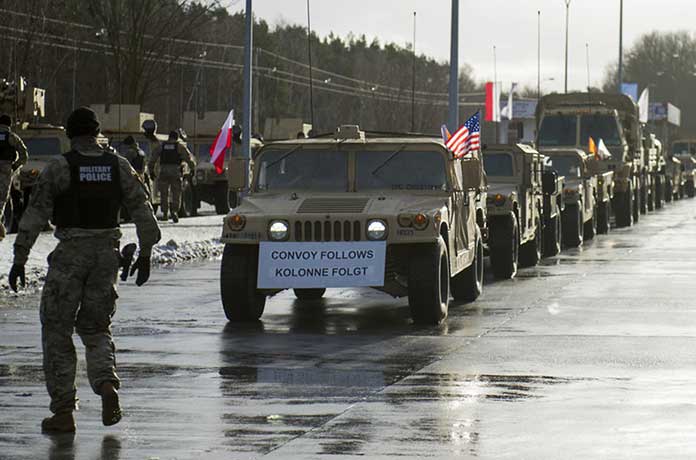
[{"x": 467, "y": 138}]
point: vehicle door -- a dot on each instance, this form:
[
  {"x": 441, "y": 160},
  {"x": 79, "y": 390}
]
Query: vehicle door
[{"x": 461, "y": 210}]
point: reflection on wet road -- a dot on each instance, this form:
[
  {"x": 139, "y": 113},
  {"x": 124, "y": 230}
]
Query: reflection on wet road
[{"x": 587, "y": 355}]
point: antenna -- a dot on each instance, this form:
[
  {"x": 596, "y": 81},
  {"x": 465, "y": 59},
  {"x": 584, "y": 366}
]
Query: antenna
[
  {"x": 587, "y": 50},
  {"x": 309, "y": 54},
  {"x": 413, "y": 83}
]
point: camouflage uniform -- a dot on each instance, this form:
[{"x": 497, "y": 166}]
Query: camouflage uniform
[
  {"x": 80, "y": 290},
  {"x": 8, "y": 167},
  {"x": 170, "y": 174},
  {"x": 136, "y": 158}
]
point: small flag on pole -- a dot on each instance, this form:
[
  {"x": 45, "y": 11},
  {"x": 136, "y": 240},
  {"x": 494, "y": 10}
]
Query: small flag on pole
[
  {"x": 222, "y": 143},
  {"x": 492, "y": 102},
  {"x": 592, "y": 147},
  {"x": 445, "y": 133},
  {"x": 466, "y": 139}
]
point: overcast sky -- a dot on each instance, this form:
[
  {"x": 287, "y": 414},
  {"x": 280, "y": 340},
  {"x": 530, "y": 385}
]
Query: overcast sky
[{"x": 510, "y": 25}]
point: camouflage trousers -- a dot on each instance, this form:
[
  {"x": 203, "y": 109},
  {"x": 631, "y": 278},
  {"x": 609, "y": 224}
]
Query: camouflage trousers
[
  {"x": 165, "y": 185},
  {"x": 5, "y": 183},
  {"x": 79, "y": 294}
]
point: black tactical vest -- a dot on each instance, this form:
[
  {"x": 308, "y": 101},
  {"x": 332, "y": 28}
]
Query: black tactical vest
[
  {"x": 93, "y": 200},
  {"x": 7, "y": 151},
  {"x": 170, "y": 154},
  {"x": 138, "y": 163}
]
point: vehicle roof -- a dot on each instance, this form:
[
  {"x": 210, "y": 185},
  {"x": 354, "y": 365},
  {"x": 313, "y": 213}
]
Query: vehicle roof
[
  {"x": 612, "y": 101},
  {"x": 511, "y": 148},
  {"x": 367, "y": 141},
  {"x": 563, "y": 150}
]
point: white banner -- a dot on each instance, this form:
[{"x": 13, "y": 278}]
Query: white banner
[{"x": 321, "y": 265}]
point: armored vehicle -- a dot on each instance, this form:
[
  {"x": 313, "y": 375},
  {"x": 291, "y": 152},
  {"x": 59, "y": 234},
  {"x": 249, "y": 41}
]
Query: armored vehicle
[
  {"x": 515, "y": 207},
  {"x": 397, "y": 214},
  {"x": 685, "y": 151},
  {"x": 553, "y": 185},
  {"x": 587, "y": 200},
  {"x": 571, "y": 120}
]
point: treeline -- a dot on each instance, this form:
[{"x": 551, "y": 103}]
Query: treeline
[{"x": 171, "y": 56}]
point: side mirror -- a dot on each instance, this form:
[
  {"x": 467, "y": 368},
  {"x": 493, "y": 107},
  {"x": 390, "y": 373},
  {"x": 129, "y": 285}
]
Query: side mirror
[
  {"x": 237, "y": 171},
  {"x": 472, "y": 174}
]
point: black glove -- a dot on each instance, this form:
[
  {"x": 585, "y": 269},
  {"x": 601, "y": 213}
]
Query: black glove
[
  {"x": 127, "y": 259},
  {"x": 17, "y": 272},
  {"x": 142, "y": 266}
]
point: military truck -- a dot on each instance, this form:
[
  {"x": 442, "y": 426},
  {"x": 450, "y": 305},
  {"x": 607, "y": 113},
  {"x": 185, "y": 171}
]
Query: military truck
[
  {"x": 587, "y": 195},
  {"x": 397, "y": 214},
  {"x": 553, "y": 185},
  {"x": 685, "y": 151},
  {"x": 515, "y": 207},
  {"x": 674, "y": 177},
  {"x": 570, "y": 120},
  {"x": 653, "y": 147}
]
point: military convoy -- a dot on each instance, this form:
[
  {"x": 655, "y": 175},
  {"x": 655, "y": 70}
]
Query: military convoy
[
  {"x": 611, "y": 121},
  {"x": 398, "y": 214}
]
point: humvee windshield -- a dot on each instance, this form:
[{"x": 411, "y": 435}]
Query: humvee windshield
[
  {"x": 566, "y": 165},
  {"x": 498, "y": 164},
  {"x": 558, "y": 130},
  {"x": 598, "y": 127},
  {"x": 400, "y": 170},
  {"x": 43, "y": 146},
  {"x": 297, "y": 169},
  {"x": 681, "y": 148}
]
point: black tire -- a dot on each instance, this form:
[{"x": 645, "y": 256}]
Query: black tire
[
  {"x": 669, "y": 187},
  {"x": 467, "y": 286},
  {"x": 681, "y": 192},
  {"x": 636, "y": 206},
  {"x": 552, "y": 237},
  {"x": 241, "y": 301},
  {"x": 659, "y": 191},
  {"x": 643, "y": 199},
  {"x": 504, "y": 247},
  {"x": 429, "y": 283},
  {"x": 603, "y": 217},
  {"x": 222, "y": 205},
  {"x": 187, "y": 199},
  {"x": 233, "y": 199},
  {"x": 572, "y": 227},
  {"x": 590, "y": 230},
  {"x": 306, "y": 295},
  {"x": 623, "y": 208},
  {"x": 690, "y": 189},
  {"x": 651, "y": 197},
  {"x": 530, "y": 252}
]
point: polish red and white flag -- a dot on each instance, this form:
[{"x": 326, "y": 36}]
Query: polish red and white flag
[{"x": 222, "y": 144}]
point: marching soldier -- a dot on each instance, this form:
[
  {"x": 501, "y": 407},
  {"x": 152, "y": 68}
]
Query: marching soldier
[
  {"x": 135, "y": 156},
  {"x": 13, "y": 155},
  {"x": 81, "y": 192},
  {"x": 171, "y": 156}
]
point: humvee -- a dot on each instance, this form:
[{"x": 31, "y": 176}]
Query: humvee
[
  {"x": 685, "y": 151},
  {"x": 570, "y": 120},
  {"x": 515, "y": 207},
  {"x": 585, "y": 215},
  {"x": 553, "y": 185},
  {"x": 398, "y": 214}
]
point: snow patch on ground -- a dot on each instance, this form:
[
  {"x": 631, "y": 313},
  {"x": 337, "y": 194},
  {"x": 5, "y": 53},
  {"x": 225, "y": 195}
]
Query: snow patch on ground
[{"x": 191, "y": 239}]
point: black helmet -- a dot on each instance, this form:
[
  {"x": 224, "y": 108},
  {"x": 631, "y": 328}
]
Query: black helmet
[
  {"x": 82, "y": 122},
  {"x": 5, "y": 119},
  {"x": 129, "y": 140}
]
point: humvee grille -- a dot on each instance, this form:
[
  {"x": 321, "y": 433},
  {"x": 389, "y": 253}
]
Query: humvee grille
[
  {"x": 328, "y": 230},
  {"x": 333, "y": 205}
]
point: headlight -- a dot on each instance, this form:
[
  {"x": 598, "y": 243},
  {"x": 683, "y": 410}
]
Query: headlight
[
  {"x": 376, "y": 230},
  {"x": 236, "y": 222},
  {"x": 278, "y": 230}
]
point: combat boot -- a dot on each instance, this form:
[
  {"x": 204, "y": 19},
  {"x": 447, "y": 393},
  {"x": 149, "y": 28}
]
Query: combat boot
[
  {"x": 175, "y": 218},
  {"x": 111, "y": 409},
  {"x": 62, "y": 422}
]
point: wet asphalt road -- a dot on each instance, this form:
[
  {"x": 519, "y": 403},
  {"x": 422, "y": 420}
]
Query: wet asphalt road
[{"x": 590, "y": 355}]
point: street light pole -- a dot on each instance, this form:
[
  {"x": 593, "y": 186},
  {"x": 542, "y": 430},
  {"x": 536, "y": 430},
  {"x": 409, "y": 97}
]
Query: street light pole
[
  {"x": 538, "y": 54},
  {"x": 454, "y": 69},
  {"x": 246, "y": 109},
  {"x": 413, "y": 82},
  {"x": 309, "y": 56},
  {"x": 620, "y": 45},
  {"x": 567, "y": 3}
]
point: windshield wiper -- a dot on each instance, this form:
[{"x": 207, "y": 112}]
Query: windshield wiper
[
  {"x": 290, "y": 152},
  {"x": 388, "y": 160}
]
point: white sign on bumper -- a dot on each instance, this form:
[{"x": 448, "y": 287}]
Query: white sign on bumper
[{"x": 321, "y": 265}]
